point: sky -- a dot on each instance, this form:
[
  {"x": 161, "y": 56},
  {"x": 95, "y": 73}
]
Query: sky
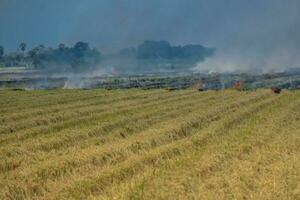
[{"x": 247, "y": 34}]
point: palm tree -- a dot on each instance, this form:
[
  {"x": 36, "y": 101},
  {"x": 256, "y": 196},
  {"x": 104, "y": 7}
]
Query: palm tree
[{"x": 22, "y": 46}]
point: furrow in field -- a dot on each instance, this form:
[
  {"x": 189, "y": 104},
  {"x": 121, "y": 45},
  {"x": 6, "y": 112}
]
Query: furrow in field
[
  {"x": 144, "y": 118},
  {"x": 222, "y": 169},
  {"x": 52, "y": 115},
  {"x": 19, "y": 104},
  {"x": 64, "y": 113},
  {"x": 94, "y": 117},
  {"x": 267, "y": 160},
  {"x": 93, "y": 98},
  {"x": 205, "y": 99},
  {"x": 236, "y": 105},
  {"x": 104, "y": 98},
  {"x": 153, "y": 136},
  {"x": 87, "y": 117},
  {"x": 81, "y": 186},
  {"x": 124, "y": 124},
  {"x": 60, "y": 100},
  {"x": 21, "y": 96}
]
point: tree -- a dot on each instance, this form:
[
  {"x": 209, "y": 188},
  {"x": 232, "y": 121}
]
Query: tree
[
  {"x": 1, "y": 51},
  {"x": 83, "y": 57},
  {"x": 163, "y": 50},
  {"x": 79, "y": 57},
  {"x": 38, "y": 55},
  {"x": 154, "y": 49},
  {"x": 128, "y": 52},
  {"x": 22, "y": 46},
  {"x": 80, "y": 49},
  {"x": 61, "y": 46}
]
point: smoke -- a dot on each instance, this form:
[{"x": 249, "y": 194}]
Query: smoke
[
  {"x": 274, "y": 61},
  {"x": 75, "y": 81},
  {"x": 256, "y": 35},
  {"x": 263, "y": 39}
]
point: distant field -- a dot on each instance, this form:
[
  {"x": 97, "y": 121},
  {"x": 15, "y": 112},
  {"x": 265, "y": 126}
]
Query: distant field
[
  {"x": 149, "y": 144},
  {"x": 14, "y": 69}
]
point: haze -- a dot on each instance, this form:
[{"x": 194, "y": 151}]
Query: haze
[{"x": 248, "y": 35}]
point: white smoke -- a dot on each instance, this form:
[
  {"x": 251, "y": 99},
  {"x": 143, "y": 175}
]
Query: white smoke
[{"x": 230, "y": 62}]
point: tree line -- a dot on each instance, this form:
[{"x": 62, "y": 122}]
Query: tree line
[
  {"x": 81, "y": 57},
  {"x": 163, "y": 50},
  {"x": 78, "y": 57}
]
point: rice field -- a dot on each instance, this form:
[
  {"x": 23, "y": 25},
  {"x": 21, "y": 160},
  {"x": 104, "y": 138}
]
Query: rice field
[{"x": 149, "y": 144}]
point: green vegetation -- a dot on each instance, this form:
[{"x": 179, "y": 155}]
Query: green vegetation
[
  {"x": 149, "y": 144},
  {"x": 149, "y": 56},
  {"x": 77, "y": 58}
]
